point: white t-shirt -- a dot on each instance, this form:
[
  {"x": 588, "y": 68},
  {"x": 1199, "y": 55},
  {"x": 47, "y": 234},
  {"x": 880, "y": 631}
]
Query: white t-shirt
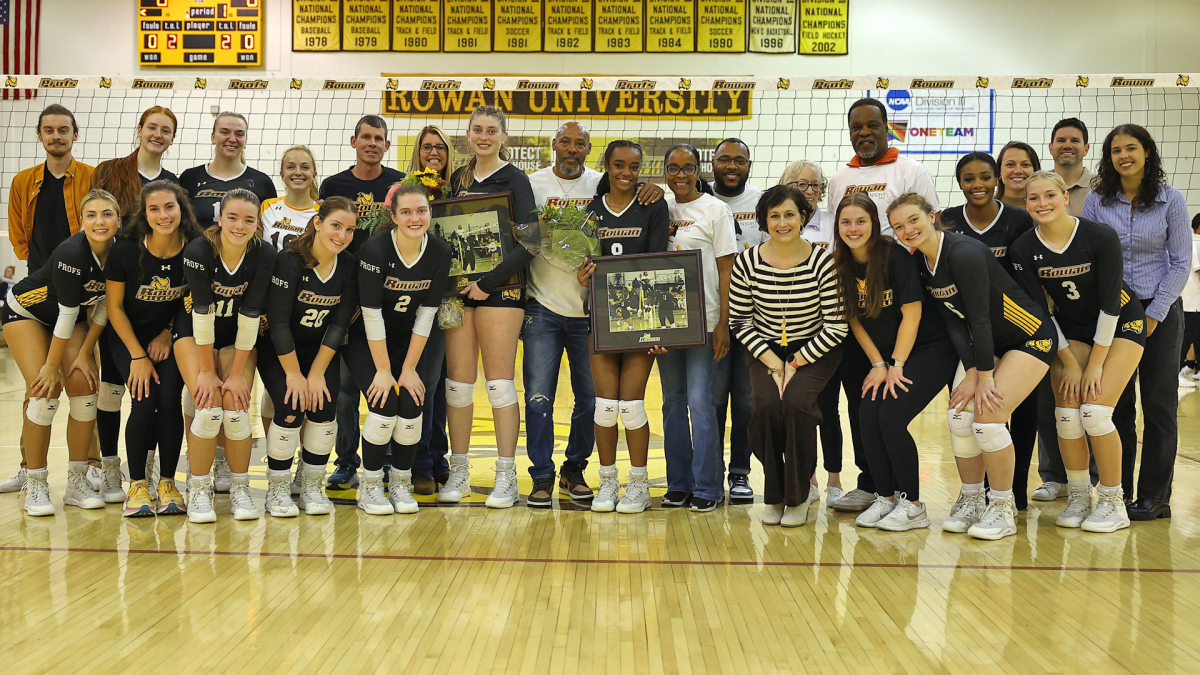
[
  {"x": 743, "y": 212},
  {"x": 281, "y": 223},
  {"x": 819, "y": 230},
  {"x": 1191, "y": 292},
  {"x": 706, "y": 225},
  {"x": 554, "y": 289},
  {"x": 883, "y": 182}
]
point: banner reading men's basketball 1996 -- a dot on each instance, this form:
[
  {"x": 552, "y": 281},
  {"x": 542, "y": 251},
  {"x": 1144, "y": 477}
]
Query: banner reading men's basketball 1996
[
  {"x": 773, "y": 26},
  {"x": 824, "y": 27}
]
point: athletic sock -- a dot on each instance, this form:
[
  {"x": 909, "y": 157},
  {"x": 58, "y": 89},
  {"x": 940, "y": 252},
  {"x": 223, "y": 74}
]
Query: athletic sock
[
  {"x": 1001, "y": 494},
  {"x": 972, "y": 488},
  {"x": 1116, "y": 490},
  {"x": 1079, "y": 479},
  {"x": 637, "y": 472},
  {"x": 239, "y": 476},
  {"x": 81, "y": 466}
]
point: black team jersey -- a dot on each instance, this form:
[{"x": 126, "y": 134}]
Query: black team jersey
[
  {"x": 228, "y": 292},
  {"x": 1083, "y": 279},
  {"x": 984, "y": 309},
  {"x": 206, "y": 191},
  {"x": 305, "y": 311},
  {"x": 507, "y": 178},
  {"x": 903, "y": 286},
  {"x": 72, "y": 277},
  {"x": 1008, "y": 226},
  {"x": 637, "y": 229},
  {"x": 387, "y": 283},
  {"x": 154, "y": 287},
  {"x": 368, "y": 197}
]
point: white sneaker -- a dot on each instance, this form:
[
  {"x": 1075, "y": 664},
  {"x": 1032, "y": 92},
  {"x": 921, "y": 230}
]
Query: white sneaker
[
  {"x": 998, "y": 522},
  {"x": 94, "y": 478},
  {"x": 152, "y": 475},
  {"x": 241, "y": 504},
  {"x": 906, "y": 516},
  {"x": 222, "y": 476},
  {"x": 15, "y": 483},
  {"x": 400, "y": 492},
  {"x": 458, "y": 485},
  {"x": 371, "y": 496},
  {"x": 1079, "y": 507},
  {"x": 832, "y": 494},
  {"x": 80, "y": 492},
  {"x": 1186, "y": 383},
  {"x": 636, "y": 497},
  {"x": 1188, "y": 373},
  {"x": 504, "y": 494},
  {"x": 795, "y": 516},
  {"x": 875, "y": 512},
  {"x": 200, "y": 501},
  {"x": 1109, "y": 515},
  {"x": 312, "y": 492},
  {"x": 110, "y": 480},
  {"x": 772, "y": 514},
  {"x": 967, "y": 511},
  {"x": 37, "y": 493},
  {"x": 298, "y": 479},
  {"x": 1049, "y": 491},
  {"x": 609, "y": 491},
  {"x": 279, "y": 495},
  {"x": 854, "y": 500}
]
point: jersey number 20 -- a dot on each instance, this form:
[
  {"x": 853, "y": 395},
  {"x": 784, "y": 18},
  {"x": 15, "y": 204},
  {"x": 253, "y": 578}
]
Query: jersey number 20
[{"x": 313, "y": 318}]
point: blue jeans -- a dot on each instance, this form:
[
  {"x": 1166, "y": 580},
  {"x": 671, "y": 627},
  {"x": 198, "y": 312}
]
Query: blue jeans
[
  {"x": 695, "y": 463},
  {"x": 347, "y": 419},
  {"x": 430, "y": 459},
  {"x": 546, "y": 335},
  {"x": 731, "y": 380}
]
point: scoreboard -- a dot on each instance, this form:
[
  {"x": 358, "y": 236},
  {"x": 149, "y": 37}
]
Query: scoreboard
[{"x": 200, "y": 32}]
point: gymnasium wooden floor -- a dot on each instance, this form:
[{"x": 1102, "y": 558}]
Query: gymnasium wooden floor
[{"x": 470, "y": 590}]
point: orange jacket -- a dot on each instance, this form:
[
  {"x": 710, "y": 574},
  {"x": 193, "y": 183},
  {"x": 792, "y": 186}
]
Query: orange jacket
[{"x": 22, "y": 201}]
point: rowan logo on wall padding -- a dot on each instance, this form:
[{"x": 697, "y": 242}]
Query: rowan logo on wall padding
[
  {"x": 783, "y": 83},
  {"x": 51, "y": 83},
  {"x": 1037, "y": 83},
  {"x": 106, "y": 83},
  {"x": 918, "y": 83},
  {"x": 201, "y": 83},
  {"x": 727, "y": 85},
  {"x": 297, "y": 84},
  {"x": 881, "y": 83},
  {"x": 392, "y": 83},
  {"x": 586, "y": 84},
  {"x": 10, "y": 81},
  {"x": 153, "y": 84},
  {"x": 441, "y": 85},
  {"x": 489, "y": 84},
  {"x": 1182, "y": 80},
  {"x": 684, "y": 84},
  {"x": 247, "y": 84},
  {"x": 981, "y": 82},
  {"x": 1081, "y": 81},
  {"x": 833, "y": 84},
  {"x": 1132, "y": 82},
  {"x": 637, "y": 84},
  {"x": 528, "y": 85},
  {"x": 335, "y": 84}
]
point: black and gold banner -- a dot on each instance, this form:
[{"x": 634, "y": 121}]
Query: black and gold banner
[
  {"x": 568, "y": 26},
  {"x": 416, "y": 25},
  {"x": 824, "y": 27},
  {"x": 316, "y": 26},
  {"x": 773, "y": 26},
  {"x": 670, "y": 26},
  {"x": 518, "y": 26},
  {"x": 630, "y": 104},
  {"x": 366, "y": 25},
  {"x": 468, "y": 26},
  {"x": 722, "y": 26},
  {"x": 619, "y": 26}
]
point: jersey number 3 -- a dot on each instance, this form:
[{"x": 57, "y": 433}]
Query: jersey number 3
[
  {"x": 1072, "y": 292},
  {"x": 313, "y": 318}
]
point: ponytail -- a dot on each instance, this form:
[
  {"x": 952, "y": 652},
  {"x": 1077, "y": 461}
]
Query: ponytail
[
  {"x": 605, "y": 185},
  {"x": 303, "y": 245}
]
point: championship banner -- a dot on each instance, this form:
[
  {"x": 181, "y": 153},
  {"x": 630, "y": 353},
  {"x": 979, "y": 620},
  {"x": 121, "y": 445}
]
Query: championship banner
[
  {"x": 619, "y": 26},
  {"x": 468, "y": 26},
  {"x": 568, "y": 26},
  {"x": 937, "y": 121},
  {"x": 722, "y": 26},
  {"x": 316, "y": 26},
  {"x": 824, "y": 27},
  {"x": 773, "y": 26},
  {"x": 416, "y": 25},
  {"x": 366, "y": 25},
  {"x": 670, "y": 26},
  {"x": 710, "y": 105},
  {"x": 518, "y": 26}
]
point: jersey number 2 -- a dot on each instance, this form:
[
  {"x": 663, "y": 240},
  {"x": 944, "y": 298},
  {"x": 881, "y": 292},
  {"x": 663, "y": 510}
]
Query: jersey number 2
[
  {"x": 1072, "y": 292},
  {"x": 313, "y": 318},
  {"x": 956, "y": 312},
  {"x": 402, "y": 304}
]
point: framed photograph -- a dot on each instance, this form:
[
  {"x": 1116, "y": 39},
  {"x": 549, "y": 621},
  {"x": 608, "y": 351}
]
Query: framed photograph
[
  {"x": 648, "y": 300},
  {"x": 479, "y": 230}
]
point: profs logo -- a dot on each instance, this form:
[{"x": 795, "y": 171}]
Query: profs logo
[{"x": 899, "y": 100}]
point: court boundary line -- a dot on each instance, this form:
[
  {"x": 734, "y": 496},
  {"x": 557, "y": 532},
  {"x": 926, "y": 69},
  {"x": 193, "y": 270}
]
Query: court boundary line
[{"x": 598, "y": 561}]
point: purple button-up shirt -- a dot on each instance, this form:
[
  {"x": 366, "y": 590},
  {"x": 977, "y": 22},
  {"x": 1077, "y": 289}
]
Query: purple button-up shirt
[{"x": 1156, "y": 244}]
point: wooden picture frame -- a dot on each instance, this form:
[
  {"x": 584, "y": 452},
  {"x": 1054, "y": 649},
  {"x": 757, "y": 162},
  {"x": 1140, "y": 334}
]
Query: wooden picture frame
[
  {"x": 648, "y": 300},
  {"x": 479, "y": 229}
]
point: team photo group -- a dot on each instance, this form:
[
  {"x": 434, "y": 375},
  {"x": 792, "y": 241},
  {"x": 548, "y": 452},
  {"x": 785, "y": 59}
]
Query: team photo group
[{"x": 1050, "y": 305}]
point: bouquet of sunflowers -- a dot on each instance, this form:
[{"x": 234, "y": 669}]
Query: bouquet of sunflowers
[
  {"x": 430, "y": 180},
  {"x": 568, "y": 236}
]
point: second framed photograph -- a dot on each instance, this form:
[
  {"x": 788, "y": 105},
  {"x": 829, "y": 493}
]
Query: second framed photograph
[
  {"x": 648, "y": 300},
  {"x": 479, "y": 229}
]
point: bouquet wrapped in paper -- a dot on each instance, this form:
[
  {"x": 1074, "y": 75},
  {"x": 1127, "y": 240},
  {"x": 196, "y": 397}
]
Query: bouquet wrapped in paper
[{"x": 568, "y": 236}]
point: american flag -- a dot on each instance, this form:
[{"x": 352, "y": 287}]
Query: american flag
[{"x": 21, "y": 21}]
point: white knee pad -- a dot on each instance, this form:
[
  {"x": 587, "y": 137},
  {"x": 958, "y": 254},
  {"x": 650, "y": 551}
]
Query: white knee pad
[
  {"x": 965, "y": 447},
  {"x": 407, "y": 432},
  {"x": 992, "y": 437},
  {"x": 236, "y": 424},
  {"x": 633, "y": 414},
  {"x": 83, "y": 408},
  {"x": 1097, "y": 419},
  {"x": 266, "y": 407},
  {"x": 108, "y": 397},
  {"x": 960, "y": 422},
  {"x": 606, "y": 412},
  {"x": 281, "y": 442},
  {"x": 501, "y": 393},
  {"x": 206, "y": 422},
  {"x": 189, "y": 405},
  {"x": 41, "y": 411},
  {"x": 319, "y": 437},
  {"x": 377, "y": 429},
  {"x": 459, "y": 394},
  {"x": 1066, "y": 420}
]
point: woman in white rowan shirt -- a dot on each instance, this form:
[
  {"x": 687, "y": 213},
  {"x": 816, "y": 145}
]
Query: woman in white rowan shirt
[{"x": 699, "y": 221}]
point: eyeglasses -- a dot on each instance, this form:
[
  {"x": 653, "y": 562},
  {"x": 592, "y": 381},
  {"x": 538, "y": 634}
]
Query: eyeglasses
[
  {"x": 736, "y": 161},
  {"x": 430, "y": 148},
  {"x": 687, "y": 170},
  {"x": 804, "y": 186}
]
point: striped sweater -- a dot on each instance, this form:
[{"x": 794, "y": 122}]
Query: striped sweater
[{"x": 763, "y": 299}]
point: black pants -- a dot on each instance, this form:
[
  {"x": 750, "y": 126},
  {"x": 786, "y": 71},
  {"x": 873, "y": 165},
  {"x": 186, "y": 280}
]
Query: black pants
[
  {"x": 1191, "y": 335},
  {"x": 889, "y": 447},
  {"x": 155, "y": 419},
  {"x": 108, "y": 422},
  {"x": 1158, "y": 375},
  {"x": 287, "y": 415},
  {"x": 362, "y": 367},
  {"x": 849, "y": 378}
]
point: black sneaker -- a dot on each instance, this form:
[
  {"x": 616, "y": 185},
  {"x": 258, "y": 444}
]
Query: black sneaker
[
  {"x": 739, "y": 486},
  {"x": 675, "y": 498},
  {"x": 344, "y": 478},
  {"x": 571, "y": 482},
  {"x": 702, "y": 505},
  {"x": 387, "y": 472},
  {"x": 542, "y": 494}
]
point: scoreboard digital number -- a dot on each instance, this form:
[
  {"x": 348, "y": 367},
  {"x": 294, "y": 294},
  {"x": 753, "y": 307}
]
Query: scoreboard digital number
[{"x": 200, "y": 32}]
